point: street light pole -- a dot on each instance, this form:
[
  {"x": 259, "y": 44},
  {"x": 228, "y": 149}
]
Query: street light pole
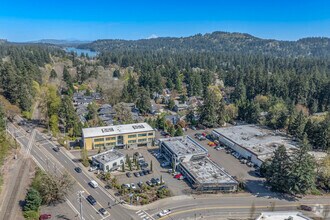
[{"x": 80, "y": 204}]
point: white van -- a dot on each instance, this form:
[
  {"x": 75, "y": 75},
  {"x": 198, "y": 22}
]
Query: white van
[{"x": 93, "y": 183}]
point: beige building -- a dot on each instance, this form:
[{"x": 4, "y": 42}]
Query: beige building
[{"x": 119, "y": 136}]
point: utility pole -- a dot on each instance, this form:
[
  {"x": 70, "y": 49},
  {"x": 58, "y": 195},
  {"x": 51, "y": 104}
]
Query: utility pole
[{"x": 80, "y": 195}]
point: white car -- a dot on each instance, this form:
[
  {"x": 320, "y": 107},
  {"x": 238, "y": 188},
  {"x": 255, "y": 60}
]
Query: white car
[
  {"x": 93, "y": 184},
  {"x": 164, "y": 213},
  {"x": 91, "y": 169},
  {"x": 133, "y": 186}
]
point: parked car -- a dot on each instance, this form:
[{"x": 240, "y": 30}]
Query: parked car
[
  {"x": 159, "y": 156},
  {"x": 243, "y": 161},
  {"x": 193, "y": 128},
  {"x": 78, "y": 169},
  {"x": 128, "y": 174},
  {"x": 91, "y": 200},
  {"x": 145, "y": 172},
  {"x": 136, "y": 174},
  {"x": 158, "y": 181},
  {"x": 211, "y": 144},
  {"x": 249, "y": 164},
  {"x": 140, "y": 184},
  {"x": 165, "y": 164},
  {"x": 144, "y": 165},
  {"x": 306, "y": 208},
  {"x": 149, "y": 183},
  {"x": 201, "y": 138},
  {"x": 103, "y": 211},
  {"x": 133, "y": 186},
  {"x": 154, "y": 181},
  {"x": 45, "y": 216},
  {"x": 127, "y": 185},
  {"x": 164, "y": 213},
  {"x": 177, "y": 176},
  {"x": 163, "y": 187},
  {"x": 93, "y": 168},
  {"x": 56, "y": 149},
  {"x": 141, "y": 173}
]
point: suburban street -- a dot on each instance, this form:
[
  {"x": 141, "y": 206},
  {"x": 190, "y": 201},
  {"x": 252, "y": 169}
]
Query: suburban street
[
  {"x": 44, "y": 155},
  {"x": 182, "y": 207}
]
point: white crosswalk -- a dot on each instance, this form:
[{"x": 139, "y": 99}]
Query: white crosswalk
[{"x": 144, "y": 215}]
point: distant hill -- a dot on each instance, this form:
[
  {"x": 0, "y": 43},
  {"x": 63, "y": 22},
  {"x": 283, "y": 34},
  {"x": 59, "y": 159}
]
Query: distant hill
[
  {"x": 224, "y": 42},
  {"x": 59, "y": 42},
  {"x": 3, "y": 41}
]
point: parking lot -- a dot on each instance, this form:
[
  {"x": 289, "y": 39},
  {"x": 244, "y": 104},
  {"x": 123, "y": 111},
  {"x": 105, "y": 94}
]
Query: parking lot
[
  {"x": 231, "y": 164},
  {"x": 177, "y": 187}
]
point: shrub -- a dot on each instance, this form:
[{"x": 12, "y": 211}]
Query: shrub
[{"x": 31, "y": 215}]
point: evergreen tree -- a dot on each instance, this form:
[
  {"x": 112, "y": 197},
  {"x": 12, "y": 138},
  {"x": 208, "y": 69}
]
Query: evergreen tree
[
  {"x": 32, "y": 200},
  {"x": 298, "y": 125},
  {"x": 53, "y": 74},
  {"x": 170, "y": 104},
  {"x": 302, "y": 175},
  {"x": 212, "y": 111},
  {"x": 116, "y": 73},
  {"x": 278, "y": 172},
  {"x": 179, "y": 131},
  {"x": 143, "y": 102}
]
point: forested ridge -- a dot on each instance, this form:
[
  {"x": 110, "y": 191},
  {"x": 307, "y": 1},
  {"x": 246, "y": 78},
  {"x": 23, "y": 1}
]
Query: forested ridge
[{"x": 220, "y": 42}]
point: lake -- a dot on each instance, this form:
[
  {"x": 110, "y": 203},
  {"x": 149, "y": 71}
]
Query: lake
[{"x": 80, "y": 51}]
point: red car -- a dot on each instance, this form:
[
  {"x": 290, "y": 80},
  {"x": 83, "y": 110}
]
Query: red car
[
  {"x": 177, "y": 176},
  {"x": 45, "y": 216}
]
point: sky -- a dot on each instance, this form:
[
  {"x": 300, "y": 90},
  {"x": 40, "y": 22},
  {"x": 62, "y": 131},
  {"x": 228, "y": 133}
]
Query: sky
[{"x": 28, "y": 20}]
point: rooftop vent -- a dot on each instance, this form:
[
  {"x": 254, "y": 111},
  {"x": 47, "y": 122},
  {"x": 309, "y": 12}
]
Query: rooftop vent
[{"x": 138, "y": 126}]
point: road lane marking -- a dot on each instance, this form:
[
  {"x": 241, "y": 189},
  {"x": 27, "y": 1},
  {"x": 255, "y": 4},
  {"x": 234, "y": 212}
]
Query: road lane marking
[
  {"x": 91, "y": 216},
  {"x": 224, "y": 207}
]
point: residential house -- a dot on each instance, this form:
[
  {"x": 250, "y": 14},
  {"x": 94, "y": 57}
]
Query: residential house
[{"x": 178, "y": 107}]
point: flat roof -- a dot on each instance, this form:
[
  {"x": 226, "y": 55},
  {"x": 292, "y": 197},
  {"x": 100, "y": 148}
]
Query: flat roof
[
  {"x": 107, "y": 156},
  {"x": 116, "y": 129},
  {"x": 257, "y": 139},
  {"x": 205, "y": 171},
  {"x": 183, "y": 145},
  {"x": 282, "y": 216}
]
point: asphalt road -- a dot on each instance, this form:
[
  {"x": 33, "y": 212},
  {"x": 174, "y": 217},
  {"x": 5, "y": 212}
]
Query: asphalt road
[
  {"x": 193, "y": 207},
  {"x": 44, "y": 155}
]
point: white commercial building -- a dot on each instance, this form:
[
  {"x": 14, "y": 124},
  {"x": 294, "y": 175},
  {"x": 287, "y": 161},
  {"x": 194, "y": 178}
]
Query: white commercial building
[
  {"x": 181, "y": 149},
  {"x": 109, "y": 160},
  {"x": 191, "y": 160},
  {"x": 253, "y": 142}
]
